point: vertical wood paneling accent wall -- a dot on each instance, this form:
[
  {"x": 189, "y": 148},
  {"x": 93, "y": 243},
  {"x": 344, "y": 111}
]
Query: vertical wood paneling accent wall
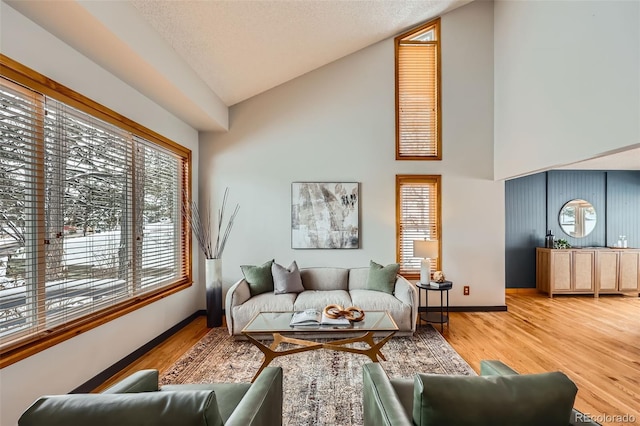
[
  {"x": 532, "y": 205},
  {"x": 623, "y": 207},
  {"x": 526, "y": 221}
]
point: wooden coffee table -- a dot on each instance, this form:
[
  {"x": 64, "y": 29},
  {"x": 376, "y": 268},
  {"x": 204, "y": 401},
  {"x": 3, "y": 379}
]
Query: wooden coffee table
[{"x": 277, "y": 324}]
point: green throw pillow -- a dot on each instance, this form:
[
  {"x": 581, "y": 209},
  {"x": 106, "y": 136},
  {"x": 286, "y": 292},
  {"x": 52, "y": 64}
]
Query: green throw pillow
[
  {"x": 523, "y": 400},
  {"x": 382, "y": 278},
  {"x": 259, "y": 278}
]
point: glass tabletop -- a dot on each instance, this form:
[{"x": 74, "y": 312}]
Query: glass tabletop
[{"x": 278, "y": 322}]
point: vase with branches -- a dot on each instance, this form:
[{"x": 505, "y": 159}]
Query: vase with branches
[{"x": 212, "y": 247}]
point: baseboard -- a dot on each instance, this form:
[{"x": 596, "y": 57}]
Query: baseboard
[
  {"x": 436, "y": 308},
  {"x": 103, "y": 376},
  {"x": 499, "y": 308}
]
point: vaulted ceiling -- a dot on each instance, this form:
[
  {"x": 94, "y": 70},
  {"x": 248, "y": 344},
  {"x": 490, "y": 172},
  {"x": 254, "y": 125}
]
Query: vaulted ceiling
[
  {"x": 241, "y": 48},
  {"x": 197, "y": 58}
]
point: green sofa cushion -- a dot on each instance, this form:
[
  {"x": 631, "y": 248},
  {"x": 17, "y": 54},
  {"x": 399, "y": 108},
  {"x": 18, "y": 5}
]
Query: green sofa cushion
[
  {"x": 185, "y": 408},
  {"x": 382, "y": 278},
  {"x": 140, "y": 381},
  {"x": 525, "y": 400},
  {"x": 259, "y": 278},
  {"x": 404, "y": 389},
  {"x": 228, "y": 395}
]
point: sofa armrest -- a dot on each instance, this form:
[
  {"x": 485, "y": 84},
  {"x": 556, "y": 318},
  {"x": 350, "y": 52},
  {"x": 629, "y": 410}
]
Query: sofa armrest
[
  {"x": 236, "y": 295},
  {"x": 380, "y": 404},
  {"x": 140, "y": 381},
  {"x": 262, "y": 404},
  {"x": 407, "y": 293},
  {"x": 495, "y": 368}
]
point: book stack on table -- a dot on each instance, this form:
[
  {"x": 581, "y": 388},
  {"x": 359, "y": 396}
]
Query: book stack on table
[{"x": 442, "y": 285}]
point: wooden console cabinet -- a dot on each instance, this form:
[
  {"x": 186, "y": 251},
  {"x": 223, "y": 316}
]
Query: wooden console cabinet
[{"x": 588, "y": 271}]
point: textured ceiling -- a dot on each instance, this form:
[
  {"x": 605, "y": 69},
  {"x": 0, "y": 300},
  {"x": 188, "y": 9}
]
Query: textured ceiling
[{"x": 242, "y": 48}]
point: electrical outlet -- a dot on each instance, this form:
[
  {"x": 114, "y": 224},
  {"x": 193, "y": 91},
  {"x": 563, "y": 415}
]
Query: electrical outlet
[{"x": 466, "y": 290}]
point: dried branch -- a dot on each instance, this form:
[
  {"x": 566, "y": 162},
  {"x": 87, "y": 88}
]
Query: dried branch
[{"x": 200, "y": 224}]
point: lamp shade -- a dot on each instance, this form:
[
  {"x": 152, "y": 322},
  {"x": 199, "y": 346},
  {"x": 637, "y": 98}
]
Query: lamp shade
[{"x": 426, "y": 249}]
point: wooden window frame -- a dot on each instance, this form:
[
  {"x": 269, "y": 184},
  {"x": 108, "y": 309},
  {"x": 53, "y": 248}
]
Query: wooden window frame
[
  {"x": 399, "y": 41},
  {"x": 23, "y": 348},
  {"x": 427, "y": 180}
]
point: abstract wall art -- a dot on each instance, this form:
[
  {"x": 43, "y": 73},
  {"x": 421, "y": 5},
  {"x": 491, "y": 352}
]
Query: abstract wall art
[{"x": 325, "y": 215}]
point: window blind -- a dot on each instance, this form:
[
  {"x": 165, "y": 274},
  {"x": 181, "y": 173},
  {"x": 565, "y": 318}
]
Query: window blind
[
  {"x": 418, "y": 218},
  {"x": 162, "y": 216},
  {"x": 88, "y": 230},
  {"x": 90, "y": 216},
  {"x": 21, "y": 118},
  {"x": 418, "y": 94}
]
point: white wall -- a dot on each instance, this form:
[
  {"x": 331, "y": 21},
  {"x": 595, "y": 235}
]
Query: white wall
[
  {"x": 567, "y": 81},
  {"x": 71, "y": 363},
  {"x": 337, "y": 124}
]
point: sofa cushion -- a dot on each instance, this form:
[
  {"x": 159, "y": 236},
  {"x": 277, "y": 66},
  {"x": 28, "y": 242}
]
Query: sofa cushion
[
  {"x": 526, "y": 400},
  {"x": 358, "y": 278},
  {"x": 265, "y": 302},
  {"x": 140, "y": 381},
  {"x": 228, "y": 395},
  {"x": 325, "y": 278},
  {"x": 259, "y": 278},
  {"x": 286, "y": 280},
  {"x": 382, "y": 278},
  {"x": 404, "y": 391},
  {"x": 319, "y": 299},
  {"x": 188, "y": 408},
  {"x": 369, "y": 300}
]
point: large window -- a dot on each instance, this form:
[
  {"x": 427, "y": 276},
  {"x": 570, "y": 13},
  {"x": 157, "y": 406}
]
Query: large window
[
  {"x": 90, "y": 214},
  {"x": 417, "y": 218},
  {"x": 418, "y": 119}
]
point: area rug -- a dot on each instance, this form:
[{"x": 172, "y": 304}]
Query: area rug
[{"x": 321, "y": 387}]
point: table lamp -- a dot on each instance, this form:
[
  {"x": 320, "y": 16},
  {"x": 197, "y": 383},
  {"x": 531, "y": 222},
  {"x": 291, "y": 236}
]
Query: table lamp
[{"x": 427, "y": 250}]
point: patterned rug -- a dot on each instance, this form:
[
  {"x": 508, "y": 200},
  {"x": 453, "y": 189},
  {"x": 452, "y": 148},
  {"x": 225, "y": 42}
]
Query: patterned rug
[{"x": 321, "y": 387}]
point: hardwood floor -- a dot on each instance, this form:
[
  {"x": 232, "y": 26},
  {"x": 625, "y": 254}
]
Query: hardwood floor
[{"x": 595, "y": 341}]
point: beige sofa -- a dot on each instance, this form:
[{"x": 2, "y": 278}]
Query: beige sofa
[{"x": 325, "y": 286}]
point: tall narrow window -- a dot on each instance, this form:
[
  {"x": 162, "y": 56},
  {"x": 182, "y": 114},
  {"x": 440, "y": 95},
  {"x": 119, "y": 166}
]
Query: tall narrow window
[
  {"x": 418, "y": 118},
  {"x": 417, "y": 218},
  {"x": 90, "y": 215}
]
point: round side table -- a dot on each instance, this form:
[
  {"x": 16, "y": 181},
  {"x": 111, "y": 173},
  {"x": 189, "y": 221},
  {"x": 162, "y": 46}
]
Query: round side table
[{"x": 439, "y": 317}]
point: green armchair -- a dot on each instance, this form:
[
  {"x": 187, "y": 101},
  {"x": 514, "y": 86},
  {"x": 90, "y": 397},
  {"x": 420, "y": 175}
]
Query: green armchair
[
  {"x": 499, "y": 396},
  {"x": 138, "y": 400}
]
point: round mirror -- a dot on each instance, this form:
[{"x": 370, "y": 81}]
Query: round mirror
[{"x": 577, "y": 218}]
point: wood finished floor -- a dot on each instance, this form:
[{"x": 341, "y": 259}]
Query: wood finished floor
[{"x": 595, "y": 341}]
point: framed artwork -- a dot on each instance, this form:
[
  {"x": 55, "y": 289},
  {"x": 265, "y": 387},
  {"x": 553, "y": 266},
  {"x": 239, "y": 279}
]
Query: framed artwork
[{"x": 325, "y": 215}]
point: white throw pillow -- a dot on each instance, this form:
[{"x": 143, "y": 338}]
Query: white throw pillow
[{"x": 286, "y": 280}]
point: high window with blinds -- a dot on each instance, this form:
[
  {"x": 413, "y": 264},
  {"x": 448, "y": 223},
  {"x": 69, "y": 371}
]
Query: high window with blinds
[
  {"x": 90, "y": 217},
  {"x": 417, "y": 218},
  {"x": 418, "y": 119}
]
